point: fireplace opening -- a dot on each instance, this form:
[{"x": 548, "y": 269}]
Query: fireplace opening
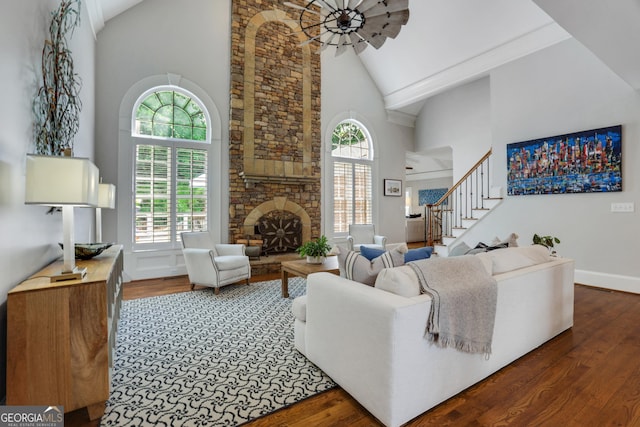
[{"x": 280, "y": 231}]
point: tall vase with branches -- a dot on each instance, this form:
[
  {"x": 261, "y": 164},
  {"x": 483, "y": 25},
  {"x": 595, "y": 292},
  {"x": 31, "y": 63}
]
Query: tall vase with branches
[{"x": 57, "y": 104}]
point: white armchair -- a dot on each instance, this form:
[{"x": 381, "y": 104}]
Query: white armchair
[
  {"x": 214, "y": 265},
  {"x": 364, "y": 235}
]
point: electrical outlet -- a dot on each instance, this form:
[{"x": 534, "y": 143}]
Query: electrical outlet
[{"x": 623, "y": 207}]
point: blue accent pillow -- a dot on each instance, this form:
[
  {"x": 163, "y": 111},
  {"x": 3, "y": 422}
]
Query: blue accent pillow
[
  {"x": 370, "y": 253},
  {"x": 418, "y": 253}
]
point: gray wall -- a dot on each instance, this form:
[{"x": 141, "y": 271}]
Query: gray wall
[
  {"x": 29, "y": 236},
  {"x": 559, "y": 90}
]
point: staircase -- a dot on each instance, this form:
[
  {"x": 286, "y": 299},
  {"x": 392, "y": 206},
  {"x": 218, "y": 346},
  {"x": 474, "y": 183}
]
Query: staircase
[{"x": 461, "y": 208}]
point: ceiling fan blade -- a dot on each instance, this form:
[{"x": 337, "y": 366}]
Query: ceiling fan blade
[
  {"x": 325, "y": 5},
  {"x": 401, "y": 17},
  {"x": 310, "y": 39},
  {"x": 325, "y": 44},
  {"x": 390, "y": 7},
  {"x": 374, "y": 39},
  {"x": 358, "y": 43},
  {"x": 366, "y": 5},
  {"x": 391, "y": 30},
  {"x": 342, "y": 45}
]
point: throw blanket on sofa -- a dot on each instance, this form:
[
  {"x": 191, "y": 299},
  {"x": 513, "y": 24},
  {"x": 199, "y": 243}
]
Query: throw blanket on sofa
[{"x": 464, "y": 298}]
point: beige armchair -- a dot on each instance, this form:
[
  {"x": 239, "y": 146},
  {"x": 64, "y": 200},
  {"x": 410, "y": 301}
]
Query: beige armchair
[
  {"x": 214, "y": 265},
  {"x": 364, "y": 235}
]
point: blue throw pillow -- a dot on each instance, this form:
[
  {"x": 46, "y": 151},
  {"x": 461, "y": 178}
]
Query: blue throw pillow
[
  {"x": 418, "y": 253},
  {"x": 370, "y": 253}
]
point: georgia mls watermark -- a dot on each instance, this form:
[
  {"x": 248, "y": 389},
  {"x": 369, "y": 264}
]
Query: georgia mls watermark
[{"x": 31, "y": 416}]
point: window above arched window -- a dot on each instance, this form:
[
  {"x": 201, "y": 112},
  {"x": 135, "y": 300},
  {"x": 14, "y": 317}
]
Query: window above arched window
[{"x": 170, "y": 114}]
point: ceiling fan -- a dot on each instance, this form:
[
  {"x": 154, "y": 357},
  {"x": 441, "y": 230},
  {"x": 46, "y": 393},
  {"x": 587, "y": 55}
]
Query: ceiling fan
[{"x": 356, "y": 23}]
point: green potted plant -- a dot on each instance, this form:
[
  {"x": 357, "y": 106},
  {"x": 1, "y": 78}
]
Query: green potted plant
[
  {"x": 315, "y": 250},
  {"x": 547, "y": 241}
]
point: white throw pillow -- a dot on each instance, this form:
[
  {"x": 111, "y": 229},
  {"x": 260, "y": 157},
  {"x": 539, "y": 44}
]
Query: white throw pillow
[
  {"x": 511, "y": 240},
  {"x": 399, "y": 280},
  {"x": 509, "y": 259}
]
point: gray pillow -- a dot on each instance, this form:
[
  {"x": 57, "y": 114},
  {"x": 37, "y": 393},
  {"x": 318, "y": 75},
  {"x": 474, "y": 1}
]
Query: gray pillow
[{"x": 460, "y": 249}]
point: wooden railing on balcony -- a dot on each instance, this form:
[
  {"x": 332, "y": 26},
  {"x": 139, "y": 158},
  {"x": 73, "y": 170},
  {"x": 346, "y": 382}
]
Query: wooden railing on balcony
[{"x": 457, "y": 204}]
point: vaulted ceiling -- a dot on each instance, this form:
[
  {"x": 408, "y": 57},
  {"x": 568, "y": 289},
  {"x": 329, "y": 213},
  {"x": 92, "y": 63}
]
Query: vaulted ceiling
[{"x": 450, "y": 42}]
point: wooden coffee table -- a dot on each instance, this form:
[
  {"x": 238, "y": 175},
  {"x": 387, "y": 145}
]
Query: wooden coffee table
[{"x": 302, "y": 268}]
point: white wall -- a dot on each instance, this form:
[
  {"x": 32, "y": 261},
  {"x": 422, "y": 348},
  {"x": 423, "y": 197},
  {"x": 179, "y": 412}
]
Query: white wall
[
  {"x": 459, "y": 118},
  {"x": 559, "y": 90},
  {"x": 29, "y": 236},
  {"x": 348, "y": 91}
]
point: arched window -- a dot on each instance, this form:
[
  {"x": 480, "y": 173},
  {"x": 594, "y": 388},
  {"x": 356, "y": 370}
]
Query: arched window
[
  {"x": 352, "y": 155},
  {"x": 170, "y": 167}
]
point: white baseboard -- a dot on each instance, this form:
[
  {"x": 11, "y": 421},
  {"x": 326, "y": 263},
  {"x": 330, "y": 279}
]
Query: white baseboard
[{"x": 615, "y": 282}]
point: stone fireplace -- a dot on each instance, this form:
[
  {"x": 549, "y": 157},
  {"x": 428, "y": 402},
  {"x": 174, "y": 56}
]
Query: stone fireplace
[
  {"x": 282, "y": 225},
  {"x": 274, "y": 126}
]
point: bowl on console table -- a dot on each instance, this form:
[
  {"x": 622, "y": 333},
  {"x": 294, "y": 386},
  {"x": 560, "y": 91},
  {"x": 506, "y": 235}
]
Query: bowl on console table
[{"x": 89, "y": 250}]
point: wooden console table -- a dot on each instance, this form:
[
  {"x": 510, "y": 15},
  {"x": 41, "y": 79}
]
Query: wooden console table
[
  {"x": 302, "y": 268},
  {"x": 61, "y": 336}
]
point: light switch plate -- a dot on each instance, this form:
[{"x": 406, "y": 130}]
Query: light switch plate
[{"x": 623, "y": 207}]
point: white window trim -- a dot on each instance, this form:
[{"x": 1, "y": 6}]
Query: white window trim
[
  {"x": 159, "y": 262},
  {"x": 327, "y": 162},
  {"x": 173, "y": 144}
]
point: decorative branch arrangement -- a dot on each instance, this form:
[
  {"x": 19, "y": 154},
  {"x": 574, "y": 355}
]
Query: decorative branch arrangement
[{"x": 57, "y": 104}]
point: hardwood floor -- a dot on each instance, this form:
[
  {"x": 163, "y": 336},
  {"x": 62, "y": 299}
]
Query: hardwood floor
[{"x": 587, "y": 376}]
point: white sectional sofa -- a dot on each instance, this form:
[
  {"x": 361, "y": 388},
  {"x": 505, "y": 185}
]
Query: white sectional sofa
[{"x": 371, "y": 341}]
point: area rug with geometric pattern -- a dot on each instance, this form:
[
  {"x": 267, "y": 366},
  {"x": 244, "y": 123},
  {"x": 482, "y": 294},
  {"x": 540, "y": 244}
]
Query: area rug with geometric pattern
[{"x": 199, "y": 359}]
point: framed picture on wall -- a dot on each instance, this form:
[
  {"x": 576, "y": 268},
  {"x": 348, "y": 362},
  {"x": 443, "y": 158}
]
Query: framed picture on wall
[
  {"x": 582, "y": 162},
  {"x": 393, "y": 187}
]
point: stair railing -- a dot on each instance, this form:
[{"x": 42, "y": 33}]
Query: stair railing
[{"x": 457, "y": 204}]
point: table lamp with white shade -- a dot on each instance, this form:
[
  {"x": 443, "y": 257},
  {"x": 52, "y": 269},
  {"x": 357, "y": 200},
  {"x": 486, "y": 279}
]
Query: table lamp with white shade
[
  {"x": 106, "y": 200},
  {"x": 64, "y": 182}
]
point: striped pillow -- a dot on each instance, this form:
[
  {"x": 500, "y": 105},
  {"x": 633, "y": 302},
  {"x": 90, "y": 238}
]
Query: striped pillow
[{"x": 359, "y": 269}]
